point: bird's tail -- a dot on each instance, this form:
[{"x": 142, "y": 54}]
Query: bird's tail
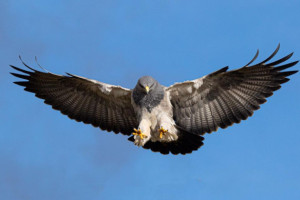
[{"x": 186, "y": 143}]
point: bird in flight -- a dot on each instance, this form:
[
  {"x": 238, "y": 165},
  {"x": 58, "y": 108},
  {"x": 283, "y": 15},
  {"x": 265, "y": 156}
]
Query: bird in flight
[{"x": 164, "y": 119}]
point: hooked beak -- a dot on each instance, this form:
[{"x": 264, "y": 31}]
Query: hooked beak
[{"x": 147, "y": 89}]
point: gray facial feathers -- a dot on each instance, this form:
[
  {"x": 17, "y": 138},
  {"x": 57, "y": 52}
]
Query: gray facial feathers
[{"x": 149, "y": 99}]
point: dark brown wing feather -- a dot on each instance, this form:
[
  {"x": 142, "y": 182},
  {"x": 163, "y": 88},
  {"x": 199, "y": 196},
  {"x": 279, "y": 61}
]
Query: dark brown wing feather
[
  {"x": 223, "y": 98},
  {"x": 89, "y": 101}
]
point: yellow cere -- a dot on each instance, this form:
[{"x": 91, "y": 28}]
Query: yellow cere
[{"x": 147, "y": 89}]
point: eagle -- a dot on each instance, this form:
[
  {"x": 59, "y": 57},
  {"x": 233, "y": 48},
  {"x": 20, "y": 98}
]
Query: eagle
[{"x": 164, "y": 119}]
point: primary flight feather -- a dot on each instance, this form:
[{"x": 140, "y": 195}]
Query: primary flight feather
[{"x": 163, "y": 119}]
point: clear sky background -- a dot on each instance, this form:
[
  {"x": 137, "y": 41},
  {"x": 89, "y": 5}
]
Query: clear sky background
[{"x": 45, "y": 155}]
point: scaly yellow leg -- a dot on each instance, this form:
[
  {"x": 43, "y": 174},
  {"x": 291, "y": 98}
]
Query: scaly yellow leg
[
  {"x": 162, "y": 131},
  {"x": 139, "y": 133}
]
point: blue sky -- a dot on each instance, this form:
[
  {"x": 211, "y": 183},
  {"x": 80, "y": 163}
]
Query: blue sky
[{"x": 45, "y": 155}]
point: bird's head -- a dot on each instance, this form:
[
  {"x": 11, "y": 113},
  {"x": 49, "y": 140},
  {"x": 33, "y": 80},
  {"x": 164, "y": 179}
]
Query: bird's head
[
  {"x": 145, "y": 84},
  {"x": 148, "y": 93}
]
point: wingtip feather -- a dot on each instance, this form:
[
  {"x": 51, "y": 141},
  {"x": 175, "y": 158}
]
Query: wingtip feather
[
  {"x": 286, "y": 66},
  {"x": 288, "y": 73},
  {"x": 20, "y": 76},
  {"x": 271, "y": 56},
  {"x": 21, "y": 70},
  {"x": 21, "y": 83},
  {"x": 26, "y": 64},
  {"x": 253, "y": 59},
  {"x": 280, "y": 60}
]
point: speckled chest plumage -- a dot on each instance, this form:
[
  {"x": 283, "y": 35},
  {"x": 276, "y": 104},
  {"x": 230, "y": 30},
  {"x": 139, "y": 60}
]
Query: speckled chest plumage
[{"x": 148, "y": 100}]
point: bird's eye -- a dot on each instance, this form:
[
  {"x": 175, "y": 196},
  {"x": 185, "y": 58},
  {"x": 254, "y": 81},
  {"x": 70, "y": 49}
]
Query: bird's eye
[
  {"x": 141, "y": 85},
  {"x": 151, "y": 85}
]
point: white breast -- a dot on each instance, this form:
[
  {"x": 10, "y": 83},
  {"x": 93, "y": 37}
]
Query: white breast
[{"x": 160, "y": 116}]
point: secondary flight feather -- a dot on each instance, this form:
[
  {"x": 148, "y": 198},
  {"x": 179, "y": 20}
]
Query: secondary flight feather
[{"x": 164, "y": 119}]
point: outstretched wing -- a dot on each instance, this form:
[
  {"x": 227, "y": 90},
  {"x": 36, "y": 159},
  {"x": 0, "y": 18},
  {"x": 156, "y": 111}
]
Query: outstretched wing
[
  {"x": 85, "y": 100},
  {"x": 223, "y": 98}
]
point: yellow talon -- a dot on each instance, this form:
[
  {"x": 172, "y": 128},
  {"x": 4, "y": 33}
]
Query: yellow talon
[
  {"x": 139, "y": 133},
  {"x": 161, "y": 132}
]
